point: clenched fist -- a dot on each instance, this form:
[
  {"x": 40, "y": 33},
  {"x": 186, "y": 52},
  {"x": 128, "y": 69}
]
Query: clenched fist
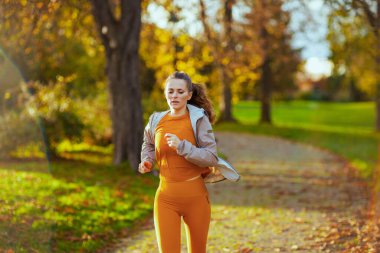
[
  {"x": 172, "y": 140},
  {"x": 145, "y": 167}
]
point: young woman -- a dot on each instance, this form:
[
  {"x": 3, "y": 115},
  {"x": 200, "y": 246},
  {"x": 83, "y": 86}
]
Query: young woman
[{"x": 183, "y": 144}]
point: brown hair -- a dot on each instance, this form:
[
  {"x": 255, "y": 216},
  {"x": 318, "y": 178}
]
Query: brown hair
[{"x": 199, "y": 97}]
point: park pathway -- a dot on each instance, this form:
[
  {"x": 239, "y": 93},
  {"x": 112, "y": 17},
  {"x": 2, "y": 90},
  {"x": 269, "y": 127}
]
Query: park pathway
[{"x": 291, "y": 197}]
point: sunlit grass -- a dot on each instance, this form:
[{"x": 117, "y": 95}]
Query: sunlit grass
[
  {"x": 346, "y": 129},
  {"x": 79, "y": 207},
  {"x": 326, "y": 116},
  {"x": 67, "y": 146},
  {"x": 31, "y": 150}
]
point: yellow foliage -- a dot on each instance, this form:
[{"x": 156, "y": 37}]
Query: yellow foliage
[
  {"x": 157, "y": 50},
  {"x": 182, "y": 39},
  {"x": 225, "y": 61},
  {"x": 353, "y": 47},
  {"x": 367, "y": 82},
  {"x": 206, "y": 55},
  {"x": 7, "y": 95}
]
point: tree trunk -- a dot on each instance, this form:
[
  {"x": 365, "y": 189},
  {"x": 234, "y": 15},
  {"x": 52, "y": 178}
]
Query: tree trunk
[
  {"x": 225, "y": 102},
  {"x": 126, "y": 111},
  {"x": 215, "y": 42},
  {"x": 265, "y": 89},
  {"x": 266, "y": 72},
  {"x": 226, "y": 99},
  {"x": 121, "y": 40}
]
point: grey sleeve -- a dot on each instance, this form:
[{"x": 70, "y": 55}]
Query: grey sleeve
[
  {"x": 206, "y": 154},
  {"x": 148, "y": 146}
]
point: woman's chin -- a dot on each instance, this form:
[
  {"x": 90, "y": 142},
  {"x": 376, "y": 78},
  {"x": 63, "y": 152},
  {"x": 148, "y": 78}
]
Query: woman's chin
[{"x": 175, "y": 106}]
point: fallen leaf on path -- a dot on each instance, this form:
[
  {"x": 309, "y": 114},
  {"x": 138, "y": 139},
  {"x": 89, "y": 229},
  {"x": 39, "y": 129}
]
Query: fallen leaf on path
[{"x": 245, "y": 250}]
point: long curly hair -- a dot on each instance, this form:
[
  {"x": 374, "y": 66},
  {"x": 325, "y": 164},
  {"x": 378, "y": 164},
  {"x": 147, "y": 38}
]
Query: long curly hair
[{"x": 199, "y": 97}]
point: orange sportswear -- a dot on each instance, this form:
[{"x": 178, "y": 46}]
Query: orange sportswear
[{"x": 172, "y": 166}]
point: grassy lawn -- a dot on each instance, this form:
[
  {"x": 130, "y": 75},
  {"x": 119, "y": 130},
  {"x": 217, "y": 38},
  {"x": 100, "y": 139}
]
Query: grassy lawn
[
  {"x": 344, "y": 128},
  {"x": 80, "y": 207},
  {"x": 328, "y": 116}
]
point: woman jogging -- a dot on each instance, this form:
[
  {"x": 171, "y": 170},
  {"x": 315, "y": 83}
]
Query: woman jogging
[{"x": 182, "y": 143}]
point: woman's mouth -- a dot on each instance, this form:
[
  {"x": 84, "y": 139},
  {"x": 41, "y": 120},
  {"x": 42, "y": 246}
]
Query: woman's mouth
[{"x": 174, "y": 102}]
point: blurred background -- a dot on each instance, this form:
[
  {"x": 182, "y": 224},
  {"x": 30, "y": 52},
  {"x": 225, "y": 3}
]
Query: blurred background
[{"x": 79, "y": 79}]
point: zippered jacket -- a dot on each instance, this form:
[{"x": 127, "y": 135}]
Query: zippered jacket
[{"x": 204, "y": 154}]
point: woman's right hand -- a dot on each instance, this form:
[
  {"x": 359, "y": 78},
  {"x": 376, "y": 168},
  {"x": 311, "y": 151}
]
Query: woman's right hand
[{"x": 145, "y": 167}]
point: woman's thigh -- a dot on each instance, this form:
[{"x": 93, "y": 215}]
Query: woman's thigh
[
  {"x": 167, "y": 222},
  {"x": 197, "y": 217}
]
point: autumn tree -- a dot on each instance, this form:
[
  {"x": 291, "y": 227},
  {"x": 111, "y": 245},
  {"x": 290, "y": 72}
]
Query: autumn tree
[
  {"x": 222, "y": 48},
  {"x": 118, "y": 24},
  {"x": 352, "y": 46},
  {"x": 31, "y": 31},
  {"x": 49, "y": 42},
  {"x": 369, "y": 12},
  {"x": 46, "y": 39},
  {"x": 164, "y": 50},
  {"x": 266, "y": 35}
]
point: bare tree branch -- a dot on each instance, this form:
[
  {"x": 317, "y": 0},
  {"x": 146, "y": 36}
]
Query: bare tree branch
[
  {"x": 105, "y": 21},
  {"x": 371, "y": 16},
  {"x": 203, "y": 15},
  {"x": 212, "y": 40}
]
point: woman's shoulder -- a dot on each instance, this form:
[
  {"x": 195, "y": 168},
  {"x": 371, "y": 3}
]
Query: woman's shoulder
[
  {"x": 156, "y": 116},
  {"x": 157, "y": 113}
]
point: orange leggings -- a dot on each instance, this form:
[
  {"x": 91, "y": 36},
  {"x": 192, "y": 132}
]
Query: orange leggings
[{"x": 188, "y": 199}]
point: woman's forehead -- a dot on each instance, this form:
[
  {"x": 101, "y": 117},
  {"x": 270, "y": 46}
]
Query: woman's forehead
[{"x": 176, "y": 84}]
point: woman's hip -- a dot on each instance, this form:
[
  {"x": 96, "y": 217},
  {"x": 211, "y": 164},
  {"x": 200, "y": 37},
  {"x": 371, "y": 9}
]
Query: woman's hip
[{"x": 191, "y": 188}]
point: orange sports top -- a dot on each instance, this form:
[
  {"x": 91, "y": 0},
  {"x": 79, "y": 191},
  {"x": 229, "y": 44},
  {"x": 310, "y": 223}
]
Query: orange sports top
[{"x": 172, "y": 166}]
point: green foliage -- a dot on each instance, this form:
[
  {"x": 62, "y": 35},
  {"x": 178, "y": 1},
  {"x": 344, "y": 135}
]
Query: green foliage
[
  {"x": 55, "y": 108},
  {"x": 17, "y": 131},
  {"x": 353, "y": 50},
  {"x": 95, "y": 115},
  {"x": 47, "y": 39},
  {"x": 52, "y": 111}
]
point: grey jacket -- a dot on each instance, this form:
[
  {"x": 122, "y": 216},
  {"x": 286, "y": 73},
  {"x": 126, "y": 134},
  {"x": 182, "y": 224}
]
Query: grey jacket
[{"x": 204, "y": 154}]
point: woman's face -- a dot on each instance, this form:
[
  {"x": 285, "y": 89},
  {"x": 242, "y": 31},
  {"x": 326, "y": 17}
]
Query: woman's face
[{"x": 177, "y": 94}]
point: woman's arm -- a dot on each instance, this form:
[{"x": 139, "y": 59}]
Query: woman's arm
[
  {"x": 148, "y": 148},
  {"x": 206, "y": 154}
]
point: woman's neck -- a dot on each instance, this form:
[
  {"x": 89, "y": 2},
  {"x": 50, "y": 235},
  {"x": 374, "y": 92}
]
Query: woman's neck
[{"x": 178, "y": 112}]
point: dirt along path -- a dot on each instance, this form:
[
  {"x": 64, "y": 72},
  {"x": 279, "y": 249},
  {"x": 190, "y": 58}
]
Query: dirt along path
[{"x": 291, "y": 197}]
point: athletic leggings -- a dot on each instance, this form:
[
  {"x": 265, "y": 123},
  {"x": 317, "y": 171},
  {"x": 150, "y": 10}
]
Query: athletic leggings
[{"x": 188, "y": 199}]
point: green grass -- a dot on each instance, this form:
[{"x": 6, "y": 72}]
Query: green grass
[
  {"x": 346, "y": 129},
  {"x": 80, "y": 207},
  {"x": 328, "y": 116}
]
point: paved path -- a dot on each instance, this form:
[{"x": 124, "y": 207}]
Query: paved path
[{"x": 292, "y": 197}]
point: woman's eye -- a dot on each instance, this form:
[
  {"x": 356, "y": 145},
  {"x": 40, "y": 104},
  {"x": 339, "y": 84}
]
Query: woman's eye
[{"x": 180, "y": 92}]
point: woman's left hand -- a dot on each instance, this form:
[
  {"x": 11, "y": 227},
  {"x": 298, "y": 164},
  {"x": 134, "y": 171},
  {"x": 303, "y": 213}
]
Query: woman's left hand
[{"x": 172, "y": 140}]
